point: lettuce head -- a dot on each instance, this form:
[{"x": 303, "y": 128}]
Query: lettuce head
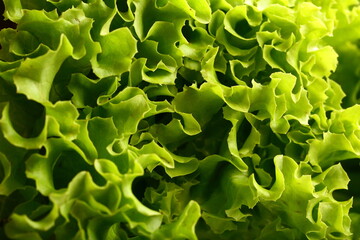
[{"x": 180, "y": 119}]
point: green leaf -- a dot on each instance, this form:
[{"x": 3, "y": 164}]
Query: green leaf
[
  {"x": 88, "y": 92},
  {"x": 34, "y": 77},
  {"x": 183, "y": 227},
  {"x": 13, "y": 136},
  {"x": 22, "y": 226},
  {"x": 14, "y": 10},
  {"x": 114, "y": 62}
]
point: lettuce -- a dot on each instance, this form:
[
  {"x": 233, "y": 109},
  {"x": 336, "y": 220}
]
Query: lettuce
[{"x": 180, "y": 119}]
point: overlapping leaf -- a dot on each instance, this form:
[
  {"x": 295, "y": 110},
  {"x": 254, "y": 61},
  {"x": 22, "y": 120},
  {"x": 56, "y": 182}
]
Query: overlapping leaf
[{"x": 164, "y": 119}]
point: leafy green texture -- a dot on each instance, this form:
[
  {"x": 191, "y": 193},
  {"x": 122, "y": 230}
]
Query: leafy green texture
[{"x": 180, "y": 119}]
